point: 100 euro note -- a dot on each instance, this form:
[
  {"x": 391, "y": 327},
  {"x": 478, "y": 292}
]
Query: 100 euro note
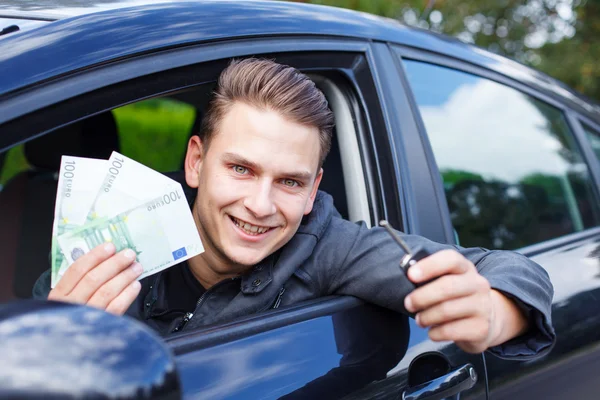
[
  {"x": 78, "y": 182},
  {"x": 161, "y": 231},
  {"x": 127, "y": 184}
]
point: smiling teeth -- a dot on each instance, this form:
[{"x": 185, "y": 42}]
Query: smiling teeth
[{"x": 250, "y": 229}]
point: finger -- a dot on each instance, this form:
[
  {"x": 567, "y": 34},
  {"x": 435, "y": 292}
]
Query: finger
[
  {"x": 473, "y": 330},
  {"x": 451, "y": 310},
  {"x": 98, "y": 276},
  {"x": 122, "y": 302},
  {"x": 443, "y": 289},
  {"x": 441, "y": 263},
  {"x": 81, "y": 267},
  {"x": 111, "y": 289}
]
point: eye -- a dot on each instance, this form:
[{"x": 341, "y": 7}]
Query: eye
[
  {"x": 290, "y": 183},
  {"x": 240, "y": 170}
]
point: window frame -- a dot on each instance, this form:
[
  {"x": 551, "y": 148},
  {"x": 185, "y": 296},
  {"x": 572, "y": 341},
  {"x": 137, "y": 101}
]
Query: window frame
[
  {"x": 412, "y": 193},
  {"x": 580, "y": 122},
  {"x": 38, "y": 110},
  {"x": 402, "y": 53}
]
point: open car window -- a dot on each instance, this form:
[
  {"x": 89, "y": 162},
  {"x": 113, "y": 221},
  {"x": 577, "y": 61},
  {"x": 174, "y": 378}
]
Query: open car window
[{"x": 153, "y": 132}]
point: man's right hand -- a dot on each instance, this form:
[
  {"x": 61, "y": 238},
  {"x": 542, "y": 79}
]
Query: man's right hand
[{"x": 101, "y": 279}]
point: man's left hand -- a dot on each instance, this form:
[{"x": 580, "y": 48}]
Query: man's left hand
[{"x": 459, "y": 304}]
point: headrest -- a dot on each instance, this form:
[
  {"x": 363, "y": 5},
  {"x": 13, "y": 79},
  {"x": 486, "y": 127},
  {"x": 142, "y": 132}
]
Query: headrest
[{"x": 94, "y": 137}]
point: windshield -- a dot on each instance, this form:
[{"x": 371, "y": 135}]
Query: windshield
[{"x": 69, "y": 8}]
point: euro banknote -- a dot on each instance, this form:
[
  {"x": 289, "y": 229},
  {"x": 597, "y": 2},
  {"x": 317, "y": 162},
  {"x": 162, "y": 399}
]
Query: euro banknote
[
  {"x": 78, "y": 182},
  {"x": 130, "y": 205},
  {"x": 160, "y": 231},
  {"x": 127, "y": 183}
]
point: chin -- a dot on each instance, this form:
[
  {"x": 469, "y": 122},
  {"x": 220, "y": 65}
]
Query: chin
[{"x": 247, "y": 258}]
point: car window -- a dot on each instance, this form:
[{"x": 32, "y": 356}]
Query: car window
[
  {"x": 154, "y": 132},
  {"x": 594, "y": 138},
  {"x": 512, "y": 172}
]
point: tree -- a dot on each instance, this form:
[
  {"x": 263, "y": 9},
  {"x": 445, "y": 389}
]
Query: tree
[{"x": 555, "y": 36}]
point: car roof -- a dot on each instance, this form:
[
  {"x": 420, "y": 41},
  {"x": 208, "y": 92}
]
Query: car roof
[{"x": 81, "y": 36}]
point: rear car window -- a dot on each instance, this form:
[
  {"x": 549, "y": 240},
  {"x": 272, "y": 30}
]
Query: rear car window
[{"x": 513, "y": 174}]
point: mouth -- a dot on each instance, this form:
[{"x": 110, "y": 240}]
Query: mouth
[{"x": 249, "y": 229}]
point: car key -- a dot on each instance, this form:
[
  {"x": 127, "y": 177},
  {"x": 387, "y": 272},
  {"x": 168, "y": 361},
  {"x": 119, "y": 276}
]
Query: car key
[{"x": 411, "y": 257}]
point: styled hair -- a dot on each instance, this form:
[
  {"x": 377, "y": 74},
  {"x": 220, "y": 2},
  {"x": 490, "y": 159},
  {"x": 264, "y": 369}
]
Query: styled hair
[{"x": 266, "y": 85}]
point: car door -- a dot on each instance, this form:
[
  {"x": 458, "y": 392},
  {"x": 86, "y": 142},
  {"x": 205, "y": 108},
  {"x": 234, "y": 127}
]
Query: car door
[
  {"x": 516, "y": 172},
  {"x": 330, "y": 347}
]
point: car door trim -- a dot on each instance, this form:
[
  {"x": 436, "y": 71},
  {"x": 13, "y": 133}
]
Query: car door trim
[
  {"x": 589, "y": 157},
  {"x": 254, "y": 324},
  {"x": 421, "y": 209}
]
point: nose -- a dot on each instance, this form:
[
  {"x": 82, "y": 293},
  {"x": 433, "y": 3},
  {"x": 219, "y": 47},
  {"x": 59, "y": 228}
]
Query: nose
[{"x": 259, "y": 202}]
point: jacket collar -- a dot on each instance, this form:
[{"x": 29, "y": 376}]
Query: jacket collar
[
  {"x": 318, "y": 219},
  {"x": 259, "y": 277}
]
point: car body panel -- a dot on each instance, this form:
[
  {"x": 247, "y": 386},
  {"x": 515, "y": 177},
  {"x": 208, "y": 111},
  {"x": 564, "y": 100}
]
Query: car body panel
[
  {"x": 321, "y": 357},
  {"x": 574, "y": 268},
  {"x": 60, "y": 48},
  {"x": 287, "y": 350}
]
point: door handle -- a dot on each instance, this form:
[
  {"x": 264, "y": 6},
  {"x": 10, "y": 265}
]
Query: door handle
[{"x": 447, "y": 385}]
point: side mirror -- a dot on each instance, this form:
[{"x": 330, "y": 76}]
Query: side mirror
[{"x": 57, "y": 350}]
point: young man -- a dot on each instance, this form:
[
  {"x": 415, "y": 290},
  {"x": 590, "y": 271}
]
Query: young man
[{"x": 272, "y": 239}]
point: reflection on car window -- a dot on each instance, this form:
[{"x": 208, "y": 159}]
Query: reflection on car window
[
  {"x": 594, "y": 138},
  {"x": 512, "y": 172},
  {"x": 154, "y": 132}
]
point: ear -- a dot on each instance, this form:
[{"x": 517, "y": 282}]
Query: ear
[
  {"x": 313, "y": 194},
  {"x": 193, "y": 161}
]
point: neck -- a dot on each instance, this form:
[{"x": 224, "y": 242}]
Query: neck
[{"x": 205, "y": 270}]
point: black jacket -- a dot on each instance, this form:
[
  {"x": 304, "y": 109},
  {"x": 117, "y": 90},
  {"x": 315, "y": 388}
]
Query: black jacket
[{"x": 332, "y": 256}]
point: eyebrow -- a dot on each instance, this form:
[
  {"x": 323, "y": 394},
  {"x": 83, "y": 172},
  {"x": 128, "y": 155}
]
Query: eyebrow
[{"x": 238, "y": 159}]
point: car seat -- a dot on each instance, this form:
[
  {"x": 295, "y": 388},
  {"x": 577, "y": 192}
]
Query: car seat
[
  {"x": 333, "y": 178},
  {"x": 27, "y": 201}
]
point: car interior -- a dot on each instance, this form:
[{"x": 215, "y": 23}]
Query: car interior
[{"x": 27, "y": 197}]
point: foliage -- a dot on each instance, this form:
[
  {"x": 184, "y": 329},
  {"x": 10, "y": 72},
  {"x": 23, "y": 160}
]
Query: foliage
[
  {"x": 555, "y": 36},
  {"x": 149, "y": 127},
  {"x": 153, "y": 132}
]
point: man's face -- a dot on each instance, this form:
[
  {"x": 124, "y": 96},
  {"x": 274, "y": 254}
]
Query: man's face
[{"x": 255, "y": 182}]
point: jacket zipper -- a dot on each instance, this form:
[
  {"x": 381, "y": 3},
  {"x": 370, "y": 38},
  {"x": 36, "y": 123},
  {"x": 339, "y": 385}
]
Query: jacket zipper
[
  {"x": 279, "y": 296},
  {"x": 188, "y": 316},
  {"x": 184, "y": 321}
]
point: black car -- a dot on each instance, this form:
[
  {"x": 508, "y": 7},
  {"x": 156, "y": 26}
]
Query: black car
[{"x": 440, "y": 138}]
